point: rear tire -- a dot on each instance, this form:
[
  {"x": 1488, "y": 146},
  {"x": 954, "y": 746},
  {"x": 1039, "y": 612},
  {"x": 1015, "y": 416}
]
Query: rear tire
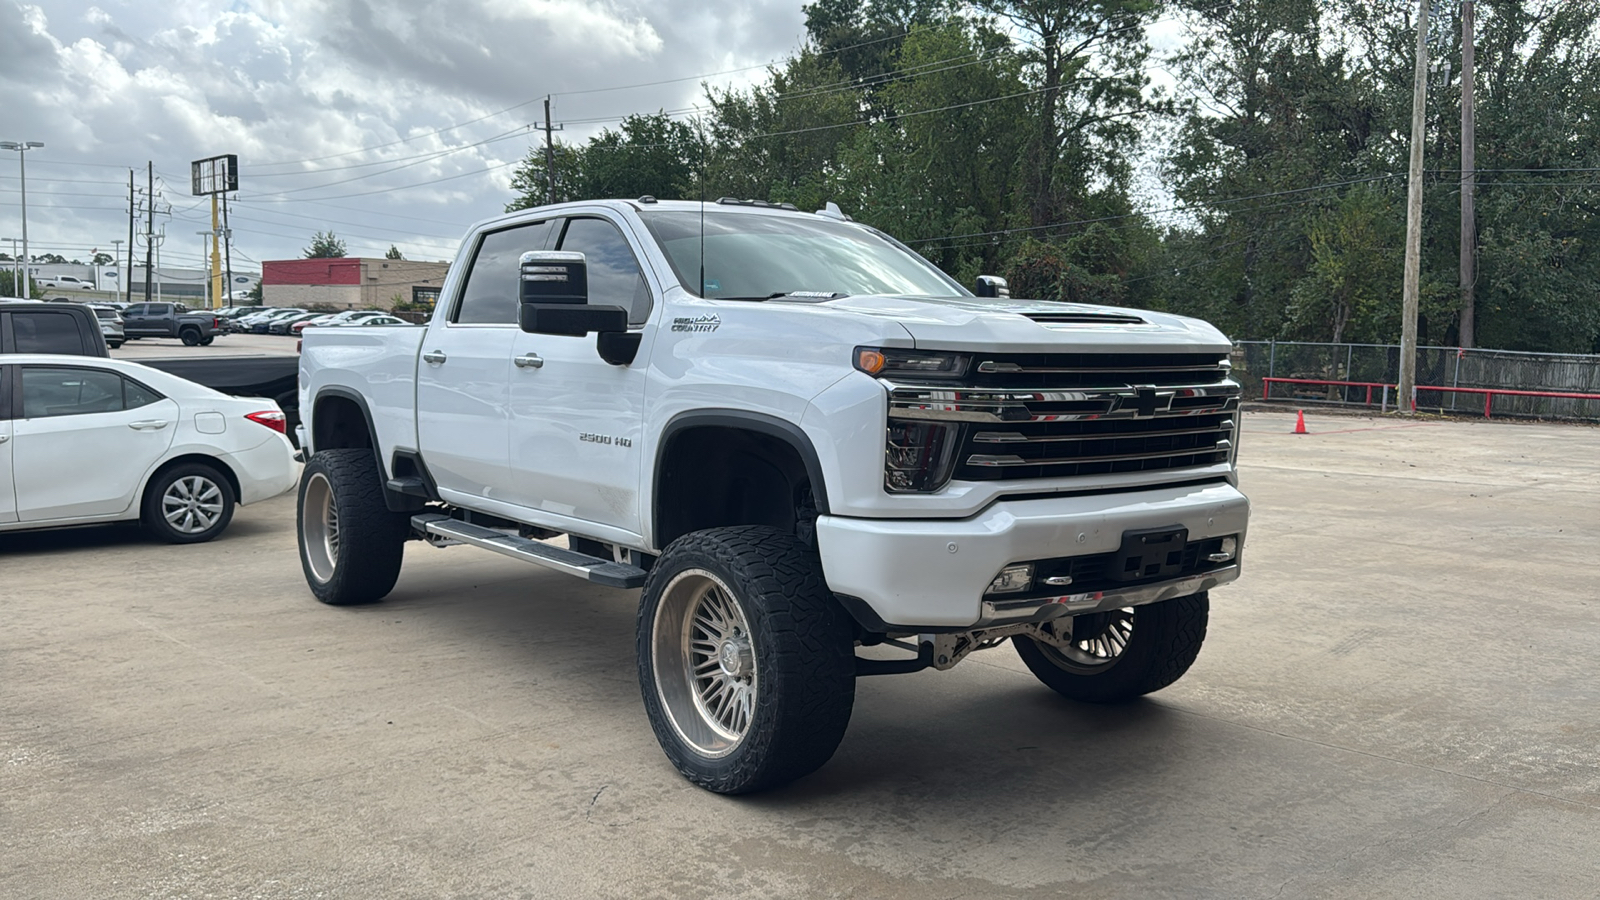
[
  {"x": 188, "y": 504},
  {"x": 1123, "y": 654},
  {"x": 351, "y": 545},
  {"x": 746, "y": 661},
  {"x": 206, "y": 341},
  {"x": 189, "y": 336}
]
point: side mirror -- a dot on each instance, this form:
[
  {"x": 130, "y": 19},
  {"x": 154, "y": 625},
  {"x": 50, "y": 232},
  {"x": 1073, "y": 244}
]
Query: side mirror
[
  {"x": 993, "y": 286},
  {"x": 554, "y": 289}
]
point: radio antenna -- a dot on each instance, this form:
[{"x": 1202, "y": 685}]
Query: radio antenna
[{"x": 702, "y": 215}]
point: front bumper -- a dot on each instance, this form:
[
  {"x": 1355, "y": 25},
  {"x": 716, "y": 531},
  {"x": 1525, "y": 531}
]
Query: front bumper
[{"x": 932, "y": 573}]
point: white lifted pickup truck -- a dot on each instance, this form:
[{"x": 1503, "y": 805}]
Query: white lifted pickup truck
[{"x": 800, "y": 439}]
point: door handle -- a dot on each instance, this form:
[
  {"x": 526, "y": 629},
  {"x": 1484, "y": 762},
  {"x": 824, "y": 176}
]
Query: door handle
[
  {"x": 435, "y": 357},
  {"x": 148, "y": 425},
  {"x": 529, "y": 361}
]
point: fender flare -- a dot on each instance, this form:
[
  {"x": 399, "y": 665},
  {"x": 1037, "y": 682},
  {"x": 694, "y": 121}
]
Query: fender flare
[
  {"x": 366, "y": 416},
  {"x": 761, "y": 423}
]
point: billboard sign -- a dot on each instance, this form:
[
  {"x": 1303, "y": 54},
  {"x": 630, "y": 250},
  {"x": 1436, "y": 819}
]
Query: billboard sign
[{"x": 217, "y": 175}]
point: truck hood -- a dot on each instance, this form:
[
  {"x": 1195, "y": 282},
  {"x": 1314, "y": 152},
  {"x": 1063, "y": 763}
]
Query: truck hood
[{"x": 1034, "y": 326}]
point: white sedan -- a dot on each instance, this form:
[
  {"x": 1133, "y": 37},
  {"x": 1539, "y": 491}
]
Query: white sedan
[{"x": 86, "y": 440}]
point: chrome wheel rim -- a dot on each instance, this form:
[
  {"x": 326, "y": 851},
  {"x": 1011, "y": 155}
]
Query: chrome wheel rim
[
  {"x": 704, "y": 662},
  {"x": 319, "y": 527},
  {"x": 1096, "y": 652},
  {"x": 192, "y": 504}
]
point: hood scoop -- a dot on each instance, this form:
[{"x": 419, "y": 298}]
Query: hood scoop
[{"x": 1083, "y": 318}]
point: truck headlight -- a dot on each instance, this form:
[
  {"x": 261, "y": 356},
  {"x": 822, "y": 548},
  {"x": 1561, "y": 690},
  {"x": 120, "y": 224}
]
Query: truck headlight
[
  {"x": 888, "y": 363},
  {"x": 919, "y": 456}
]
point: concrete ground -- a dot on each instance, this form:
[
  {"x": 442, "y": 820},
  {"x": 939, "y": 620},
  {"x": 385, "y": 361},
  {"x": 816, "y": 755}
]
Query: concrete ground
[{"x": 1398, "y": 700}]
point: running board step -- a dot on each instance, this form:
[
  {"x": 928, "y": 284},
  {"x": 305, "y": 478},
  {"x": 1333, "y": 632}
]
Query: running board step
[
  {"x": 592, "y": 568},
  {"x": 410, "y": 484}
]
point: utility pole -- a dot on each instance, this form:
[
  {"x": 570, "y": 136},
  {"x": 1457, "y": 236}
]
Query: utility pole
[
  {"x": 1413, "y": 272},
  {"x": 549, "y": 154},
  {"x": 127, "y": 274},
  {"x": 1469, "y": 177},
  {"x": 116, "y": 254},
  {"x": 150, "y": 228}
]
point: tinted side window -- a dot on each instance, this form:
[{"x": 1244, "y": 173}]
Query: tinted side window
[
  {"x": 614, "y": 275},
  {"x": 135, "y": 395},
  {"x": 492, "y": 291},
  {"x": 46, "y": 332},
  {"x": 137, "y": 309},
  {"x": 69, "y": 392}
]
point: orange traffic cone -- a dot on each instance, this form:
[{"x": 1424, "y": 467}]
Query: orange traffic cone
[{"x": 1300, "y": 423}]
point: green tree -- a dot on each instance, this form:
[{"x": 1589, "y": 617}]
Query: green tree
[
  {"x": 393, "y": 253},
  {"x": 325, "y": 246},
  {"x": 102, "y": 258}
]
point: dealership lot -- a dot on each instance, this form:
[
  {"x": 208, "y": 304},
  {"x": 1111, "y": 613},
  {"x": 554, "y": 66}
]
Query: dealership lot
[{"x": 1397, "y": 700}]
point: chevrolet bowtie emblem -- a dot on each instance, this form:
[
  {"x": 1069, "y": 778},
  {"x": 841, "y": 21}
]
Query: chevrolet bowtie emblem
[{"x": 1147, "y": 401}]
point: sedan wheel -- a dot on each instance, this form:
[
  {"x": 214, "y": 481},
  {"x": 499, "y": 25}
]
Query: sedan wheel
[{"x": 188, "y": 504}]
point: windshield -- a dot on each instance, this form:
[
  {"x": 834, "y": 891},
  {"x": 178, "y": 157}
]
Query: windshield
[{"x": 754, "y": 257}]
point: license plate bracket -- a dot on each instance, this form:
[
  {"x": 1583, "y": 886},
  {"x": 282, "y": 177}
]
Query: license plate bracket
[{"x": 1150, "y": 553}]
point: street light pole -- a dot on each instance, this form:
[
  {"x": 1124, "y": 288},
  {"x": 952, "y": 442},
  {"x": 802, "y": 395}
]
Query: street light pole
[
  {"x": 22, "y": 148},
  {"x": 122, "y": 273},
  {"x": 206, "y": 265}
]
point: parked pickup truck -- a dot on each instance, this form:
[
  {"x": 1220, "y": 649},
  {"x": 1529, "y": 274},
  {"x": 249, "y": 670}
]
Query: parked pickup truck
[
  {"x": 65, "y": 282},
  {"x": 171, "y": 320},
  {"x": 801, "y": 440}
]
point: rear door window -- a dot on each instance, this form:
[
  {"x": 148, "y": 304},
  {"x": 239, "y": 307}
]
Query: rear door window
[
  {"x": 46, "y": 331},
  {"x": 48, "y": 392}
]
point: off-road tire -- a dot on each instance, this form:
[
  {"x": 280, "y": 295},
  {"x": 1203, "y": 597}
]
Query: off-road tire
[
  {"x": 190, "y": 336},
  {"x": 154, "y": 509},
  {"x": 1164, "y": 643},
  {"x": 362, "y": 562},
  {"x": 802, "y": 648},
  {"x": 206, "y": 341}
]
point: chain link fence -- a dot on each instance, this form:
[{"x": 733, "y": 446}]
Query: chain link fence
[{"x": 1370, "y": 368}]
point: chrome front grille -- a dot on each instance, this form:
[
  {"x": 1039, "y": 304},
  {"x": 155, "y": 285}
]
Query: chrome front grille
[{"x": 1066, "y": 415}]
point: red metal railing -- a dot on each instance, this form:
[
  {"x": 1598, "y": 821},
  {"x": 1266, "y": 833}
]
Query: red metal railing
[{"x": 1488, "y": 393}]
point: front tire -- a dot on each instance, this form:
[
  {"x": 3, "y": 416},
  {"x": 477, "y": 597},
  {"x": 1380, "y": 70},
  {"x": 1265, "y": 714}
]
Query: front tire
[
  {"x": 1119, "y": 655},
  {"x": 188, "y": 504},
  {"x": 746, "y": 661},
  {"x": 351, "y": 545}
]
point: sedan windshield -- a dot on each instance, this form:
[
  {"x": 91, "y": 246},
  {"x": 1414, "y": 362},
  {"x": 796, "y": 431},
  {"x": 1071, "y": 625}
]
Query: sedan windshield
[{"x": 757, "y": 257}]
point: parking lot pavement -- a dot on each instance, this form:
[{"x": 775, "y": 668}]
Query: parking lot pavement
[
  {"x": 1398, "y": 700},
  {"x": 225, "y": 345}
]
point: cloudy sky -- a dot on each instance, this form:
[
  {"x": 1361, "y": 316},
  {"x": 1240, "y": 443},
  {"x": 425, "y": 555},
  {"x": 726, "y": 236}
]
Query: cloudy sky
[{"x": 386, "y": 121}]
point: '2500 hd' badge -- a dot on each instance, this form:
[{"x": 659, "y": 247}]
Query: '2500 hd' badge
[{"x": 697, "y": 323}]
